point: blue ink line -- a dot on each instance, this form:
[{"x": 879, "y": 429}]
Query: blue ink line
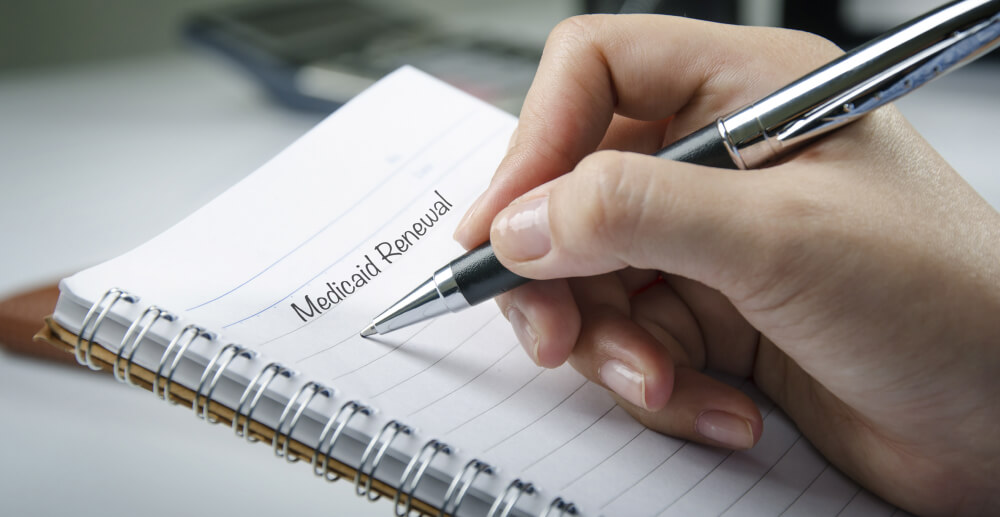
[
  {"x": 361, "y": 198},
  {"x": 392, "y": 219}
]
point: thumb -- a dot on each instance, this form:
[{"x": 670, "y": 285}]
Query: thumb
[{"x": 620, "y": 209}]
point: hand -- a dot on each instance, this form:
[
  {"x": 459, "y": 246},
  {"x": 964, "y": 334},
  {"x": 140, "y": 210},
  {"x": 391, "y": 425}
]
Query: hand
[{"x": 857, "y": 283}]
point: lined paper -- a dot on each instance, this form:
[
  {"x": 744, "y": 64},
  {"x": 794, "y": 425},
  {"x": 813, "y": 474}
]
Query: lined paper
[{"x": 341, "y": 202}]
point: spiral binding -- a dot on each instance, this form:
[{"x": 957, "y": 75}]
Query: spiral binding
[
  {"x": 317, "y": 389},
  {"x": 112, "y": 296},
  {"x": 342, "y": 418},
  {"x": 385, "y": 437},
  {"x": 407, "y": 483},
  {"x": 509, "y": 498},
  {"x": 133, "y": 340},
  {"x": 276, "y": 370},
  {"x": 561, "y": 505},
  {"x": 292, "y": 412},
  {"x": 235, "y": 351},
  {"x": 460, "y": 485},
  {"x": 192, "y": 332}
]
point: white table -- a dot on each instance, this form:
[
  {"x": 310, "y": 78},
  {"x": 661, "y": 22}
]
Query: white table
[{"x": 96, "y": 159}]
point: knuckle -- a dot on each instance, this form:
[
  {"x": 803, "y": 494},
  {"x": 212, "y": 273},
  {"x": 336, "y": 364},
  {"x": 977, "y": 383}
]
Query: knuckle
[
  {"x": 809, "y": 50},
  {"x": 612, "y": 198},
  {"x": 576, "y": 39},
  {"x": 572, "y": 30},
  {"x": 818, "y": 45},
  {"x": 801, "y": 41},
  {"x": 785, "y": 54}
]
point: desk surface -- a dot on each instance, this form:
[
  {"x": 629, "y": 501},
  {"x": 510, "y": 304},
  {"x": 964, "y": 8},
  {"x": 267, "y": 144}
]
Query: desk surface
[{"x": 95, "y": 160}]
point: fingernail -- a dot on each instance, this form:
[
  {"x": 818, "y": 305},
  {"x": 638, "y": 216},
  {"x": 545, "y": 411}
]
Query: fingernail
[
  {"x": 725, "y": 428},
  {"x": 624, "y": 380},
  {"x": 524, "y": 331},
  {"x": 522, "y": 230},
  {"x": 461, "y": 230}
]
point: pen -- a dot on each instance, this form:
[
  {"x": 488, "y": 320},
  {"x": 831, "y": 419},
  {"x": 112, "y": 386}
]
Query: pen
[{"x": 831, "y": 96}]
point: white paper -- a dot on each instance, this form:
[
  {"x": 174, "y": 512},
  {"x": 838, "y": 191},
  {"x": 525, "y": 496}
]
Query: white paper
[{"x": 332, "y": 206}]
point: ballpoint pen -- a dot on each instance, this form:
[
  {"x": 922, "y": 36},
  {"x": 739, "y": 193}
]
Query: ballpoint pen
[{"x": 833, "y": 95}]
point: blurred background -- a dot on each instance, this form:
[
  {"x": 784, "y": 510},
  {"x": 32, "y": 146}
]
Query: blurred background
[
  {"x": 34, "y": 34},
  {"x": 314, "y": 55},
  {"x": 118, "y": 118}
]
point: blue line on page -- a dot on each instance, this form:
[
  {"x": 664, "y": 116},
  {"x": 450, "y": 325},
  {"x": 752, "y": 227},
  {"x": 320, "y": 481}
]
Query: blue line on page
[
  {"x": 458, "y": 123},
  {"x": 406, "y": 206}
]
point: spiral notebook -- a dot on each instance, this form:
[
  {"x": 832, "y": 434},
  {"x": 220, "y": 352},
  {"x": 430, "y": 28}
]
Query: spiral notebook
[{"x": 248, "y": 311}]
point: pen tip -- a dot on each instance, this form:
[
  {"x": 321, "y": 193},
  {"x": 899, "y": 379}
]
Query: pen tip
[{"x": 370, "y": 331}]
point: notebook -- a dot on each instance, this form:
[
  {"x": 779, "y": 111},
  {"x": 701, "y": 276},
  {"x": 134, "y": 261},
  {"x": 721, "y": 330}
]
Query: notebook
[{"x": 248, "y": 312}]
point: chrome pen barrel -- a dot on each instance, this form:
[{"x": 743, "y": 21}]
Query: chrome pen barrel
[{"x": 862, "y": 80}]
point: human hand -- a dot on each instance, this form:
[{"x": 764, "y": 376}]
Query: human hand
[{"x": 856, "y": 282}]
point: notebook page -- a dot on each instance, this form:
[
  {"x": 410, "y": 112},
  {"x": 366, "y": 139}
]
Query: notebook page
[{"x": 295, "y": 260}]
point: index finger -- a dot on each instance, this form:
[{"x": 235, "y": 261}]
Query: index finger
[{"x": 645, "y": 67}]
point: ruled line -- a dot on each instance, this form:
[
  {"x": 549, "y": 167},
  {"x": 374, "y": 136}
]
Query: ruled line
[
  {"x": 764, "y": 475},
  {"x": 567, "y": 442},
  {"x": 543, "y": 415},
  {"x": 331, "y": 347},
  {"x": 849, "y": 501},
  {"x": 466, "y": 383},
  {"x": 385, "y": 354},
  {"x": 406, "y": 206},
  {"x": 429, "y": 366},
  {"x": 709, "y": 473},
  {"x": 494, "y": 406},
  {"x": 804, "y": 492},
  {"x": 605, "y": 460},
  {"x": 402, "y": 167},
  {"x": 657, "y": 467},
  {"x": 692, "y": 487},
  {"x": 646, "y": 475}
]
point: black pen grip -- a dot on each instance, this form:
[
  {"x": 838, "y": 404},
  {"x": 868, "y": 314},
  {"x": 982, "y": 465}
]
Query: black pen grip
[
  {"x": 480, "y": 276},
  {"x": 703, "y": 147}
]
